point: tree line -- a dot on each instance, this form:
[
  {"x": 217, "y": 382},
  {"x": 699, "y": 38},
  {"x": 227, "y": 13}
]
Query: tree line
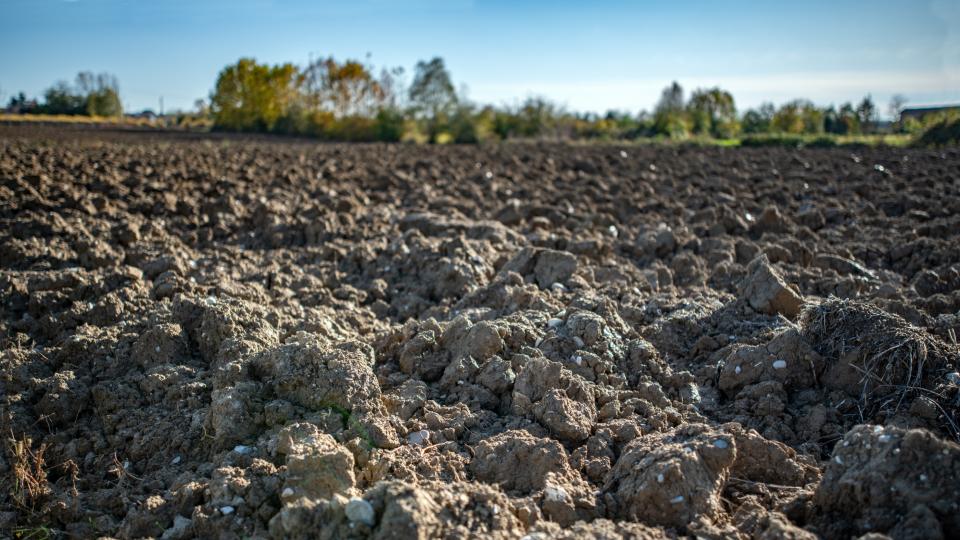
[
  {"x": 350, "y": 100},
  {"x": 90, "y": 95}
]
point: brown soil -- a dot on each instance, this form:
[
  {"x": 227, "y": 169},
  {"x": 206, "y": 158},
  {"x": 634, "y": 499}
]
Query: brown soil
[{"x": 262, "y": 338}]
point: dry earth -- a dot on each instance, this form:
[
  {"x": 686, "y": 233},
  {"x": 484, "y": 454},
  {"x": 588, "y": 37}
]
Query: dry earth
[{"x": 249, "y": 338}]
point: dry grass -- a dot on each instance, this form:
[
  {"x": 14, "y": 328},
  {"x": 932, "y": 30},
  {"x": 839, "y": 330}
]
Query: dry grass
[
  {"x": 29, "y": 480},
  {"x": 897, "y": 361}
]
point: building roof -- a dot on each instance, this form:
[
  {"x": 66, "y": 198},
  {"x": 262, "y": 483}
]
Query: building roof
[{"x": 919, "y": 112}]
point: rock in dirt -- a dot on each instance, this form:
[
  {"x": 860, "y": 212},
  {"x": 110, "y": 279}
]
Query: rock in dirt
[
  {"x": 401, "y": 511},
  {"x": 317, "y": 466},
  {"x": 321, "y": 378},
  {"x": 518, "y": 461},
  {"x": 671, "y": 478},
  {"x": 562, "y": 402},
  {"x": 548, "y": 266},
  {"x": 765, "y": 291},
  {"x": 761, "y": 460}
]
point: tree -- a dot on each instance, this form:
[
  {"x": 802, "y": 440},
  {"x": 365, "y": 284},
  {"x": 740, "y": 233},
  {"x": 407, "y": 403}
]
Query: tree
[
  {"x": 346, "y": 89},
  {"x": 19, "y": 104},
  {"x": 759, "y": 120},
  {"x": 897, "y": 101},
  {"x": 432, "y": 96},
  {"x": 788, "y": 118},
  {"x": 253, "y": 97},
  {"x": 669, "y": 117},
  {"x": 432, "y": 92},
  {"x": 61, "y": 99},
  {"x": 895, "y": 108},
  {"x": 102, "y": 94},
  {"x": 798, "y": 116},
  {"x": 812, "y": 118},
  {"x": 848, "y": 118},
  {"x": 713, "y": 112},
  {"x": 867, "y": 114}
]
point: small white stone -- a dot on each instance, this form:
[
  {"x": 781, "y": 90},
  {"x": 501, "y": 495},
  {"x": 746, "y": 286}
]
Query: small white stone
[
  {"x": 558, "y": 287},
  {"x": 953, "y": 377},
  {"x": 578, "y": 342},
  {"x": 554, "y": 493},
  {"x": 553, "y": 323},
  {"x": 780, "y": 364},
  {"x": 838, "y": 459},
  {"x": 360, "y": 511},
  {"x": 227, "y": 510},
  {"x": 157, "y": 348},
  {"x": 737, "y": 370},
  {"x": 884, "y": 438},
  {"x": 721, "y": 443},
  {"x": 211, "y": 300},
  {"x": 418, "y": 437},
  {"x": 923, "y": 478},
  {"x": 287, "y": 492},
  {"x": 577, "y": 359},
  {"x": 623, "y": 154},
  {"x": 175, "y": 460},
  {"x": 243, "y": 449},
  {"x": 613, "y": 231},
  {"x": 677, "y": 500},
  {"x": 660, "y": 478}
]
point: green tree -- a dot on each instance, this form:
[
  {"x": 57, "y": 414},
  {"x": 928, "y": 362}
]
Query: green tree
[
  {"x": 713, "y": 112},
  {"x": 759, "y": 120},
  {"x": 797, "y": 117},
  {"x": 101, "y": 94},
  {"x": 253, "y": 97},
  {"x": 669, "y": 117},
  {"x": 62, "y": 99},
  {"x": 842, "y": 121},
  {"x": 432, "y": 96},
  {"x": 432, "y": 92},
  {"x": 867, "y": 115}
]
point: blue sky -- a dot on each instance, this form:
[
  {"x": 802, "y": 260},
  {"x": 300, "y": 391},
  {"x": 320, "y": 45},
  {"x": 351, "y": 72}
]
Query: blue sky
[{"x": 589, "y": 56}]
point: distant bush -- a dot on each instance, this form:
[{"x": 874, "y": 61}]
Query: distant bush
[
  {"x": 942, "y": 132},
  {"x": 390, "y": 125},
  {"x": 788, "y": 140}
]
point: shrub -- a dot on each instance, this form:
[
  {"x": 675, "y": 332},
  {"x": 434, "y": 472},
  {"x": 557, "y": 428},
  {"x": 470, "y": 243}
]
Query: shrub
[
  {"x": 389, "y": 125},
  {"x": 788, "y": 140},
  {"x": 943, "y": 132}
]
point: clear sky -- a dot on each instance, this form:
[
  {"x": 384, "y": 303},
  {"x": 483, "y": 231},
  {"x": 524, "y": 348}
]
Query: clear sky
[{"x": 589, "y": 55}]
